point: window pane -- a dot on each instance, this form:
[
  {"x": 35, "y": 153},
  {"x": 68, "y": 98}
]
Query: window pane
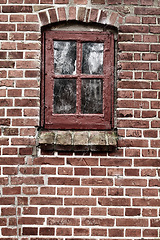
[
  {"x": 64, "y": 57},
  {"x": 64, "y": 96},
  {"x": 92, "y": 96},
  {"x": 92, "y": 62}
]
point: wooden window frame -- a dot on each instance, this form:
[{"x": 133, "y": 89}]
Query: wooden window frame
[{"x": 49, "y": 120}]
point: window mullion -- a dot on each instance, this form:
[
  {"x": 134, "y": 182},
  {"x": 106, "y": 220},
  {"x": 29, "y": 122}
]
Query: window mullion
[{"x": 79, "y": 62}]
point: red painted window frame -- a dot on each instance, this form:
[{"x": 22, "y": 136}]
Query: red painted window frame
[{"x": 49, "y": 120}]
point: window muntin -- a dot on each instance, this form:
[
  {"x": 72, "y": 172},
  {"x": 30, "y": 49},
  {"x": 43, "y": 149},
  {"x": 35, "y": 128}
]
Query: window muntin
[{"x": 78, "y": 80}]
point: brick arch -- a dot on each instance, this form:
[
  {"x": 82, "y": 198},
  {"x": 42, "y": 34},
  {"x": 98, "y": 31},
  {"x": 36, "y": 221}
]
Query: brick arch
[{"x": 83, "y": 14}]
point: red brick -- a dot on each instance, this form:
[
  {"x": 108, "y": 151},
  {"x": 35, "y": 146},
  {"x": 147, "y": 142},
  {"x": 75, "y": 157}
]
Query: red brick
[
  {"x": 148, "y": 172},
  {"x": 149, "y": 212},
  {"x": 10, "y": 170},
  {"x": 9, "y": 231},
  {"x": 134, "y": 28},
  {"x": 132, "y": 222},
  {"x": 31, "y": 220},
  {"x": 98, "y": 171},
  {"x": 81, "y": 191},
  {"x": 11, "y": 190},
  {"x": 98, "y": 192},
  {"x": 30, "y": 231},
  {"x": 80, "y": 2},
  {"x": 150, "y": 192},
  {"x": 132, "y": 172},
  {"x": 53, "y": 15},
  {"x": 98, "y": 1},
  {"x": 48, "y": 170},
  {"x": 27, "y": 131},
  {"x": 81, "y": 211},
  {"x": 149, "y": 153},
  {"x": 115, "y": 171},
  {"x": 47, "y": 190},
  {"x": 15, "y": 9},
  {"x": 155, "y": 29},
  {"x": 3, "y": 36},
  {"x": 8, "y": 211},
  {"x": 154, "y": 183},
  {"x": 28, "y": 27},
  {"x": 65, "y": 171},
  {"x": 45, "y": 201},
  {"x": 47, "y": 231},
  {"x": 27, "y": 180},
  {"x": 63, "y": 221},
  {"x": 155, "y": 222},
  {"x": 116, "y": 233},
  {"x": 97, "y": 182},
  {"x": 64, "y": 232},
  {"x": 61, "y": 1},
  {"x": 132, "y": 211},
  {"x": 49, "y": 160},
  {"x": 13, "y": 221},
  {"x": 147, "y": 162},
  {"x": 11, "y": 160},
  {"x": 98, "y": 232},
  {"x": 116, "y": 211},
  {"x": 133, "y": 233},
  {"x": 25, "y": 151},
  {"x": 114, "y": 201},
  {"x": 10, "y": 151},
  {"x": 133, "y": 192},
  {"x": 133, "y": 143},
  {"x": 148, "y": 20},
  {"x": 146, "y": 11},
  {"x": 81, "y": 232},
  {"x": 47, "y": 211},
  {"x": 82, "y": 161},
  {"x": 146, "y": 202},
  {"x": 132, "y": 19},
  {"x": 115, "y": 192},
  {"x": 98, "y": 222},
  {"x": 17, "y": 18},
  {"x": 72, "y": 13},
  {"x": 80, "y": 201},
  {"x": 150, "y": 233},
  {"x": 64, "y": 211},
  {"x": 96, "y": 211},
  {"x": 61, "y": 14},
  {"x": 16, "y": 36},
  {"x": 93, "y": 15},
  {"x": 43, "y": 17},
  {"x": 31, "y": 112},
  {"x": 5, "y": 121},
  {"x": 114, "y": 1},
  {"x": 7, "y": 27},
  {"x": 6, "y": 201},
  {"x": 30, "y": 210},
  {"x": 132, "y": 152}
]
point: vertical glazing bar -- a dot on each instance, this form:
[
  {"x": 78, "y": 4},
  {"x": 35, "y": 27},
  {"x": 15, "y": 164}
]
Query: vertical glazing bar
[{"x": 79, "y": 60}]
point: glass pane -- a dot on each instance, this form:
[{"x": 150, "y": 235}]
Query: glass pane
[
  {"x": 64, "y": 96},
  {"x": 92, "y": 61},
  {"x": 64, "y": 57},
  {"x": 92, "y": 96}
]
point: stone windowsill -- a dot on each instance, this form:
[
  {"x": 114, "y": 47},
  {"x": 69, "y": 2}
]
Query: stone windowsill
[{"x": 59, "y": 140}]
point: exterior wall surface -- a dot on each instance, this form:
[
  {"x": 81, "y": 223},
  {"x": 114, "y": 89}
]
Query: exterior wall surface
[{"x": 72, "y": 195}]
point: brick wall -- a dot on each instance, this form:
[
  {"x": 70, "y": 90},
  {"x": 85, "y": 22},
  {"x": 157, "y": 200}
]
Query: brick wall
[{"x": 112, "y": 195}]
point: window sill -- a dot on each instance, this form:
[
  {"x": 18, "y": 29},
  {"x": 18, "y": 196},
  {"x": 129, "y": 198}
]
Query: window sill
[{"x": 57, "y": 140}]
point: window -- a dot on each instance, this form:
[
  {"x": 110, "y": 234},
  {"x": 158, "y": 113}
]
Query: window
[{"x": 77, "y": 80}]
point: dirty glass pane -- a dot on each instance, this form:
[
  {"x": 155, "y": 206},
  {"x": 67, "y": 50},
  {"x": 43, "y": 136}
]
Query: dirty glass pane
[
  {"x": 64, "y": 57},
  {"x": 92, "y": 96},
  {"x": 92, "y": 61},
  {"x": 64, "y": 96}
]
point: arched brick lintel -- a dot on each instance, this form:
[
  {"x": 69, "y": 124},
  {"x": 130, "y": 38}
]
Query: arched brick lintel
[{"x": 83, "y": 14}]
